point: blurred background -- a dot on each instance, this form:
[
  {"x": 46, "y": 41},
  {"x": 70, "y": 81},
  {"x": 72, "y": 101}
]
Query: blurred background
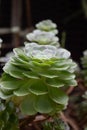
[{"x": 18, "y": 17}]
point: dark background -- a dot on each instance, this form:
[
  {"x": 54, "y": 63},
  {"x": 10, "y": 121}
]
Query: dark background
[{"x": 67, "y": 14}]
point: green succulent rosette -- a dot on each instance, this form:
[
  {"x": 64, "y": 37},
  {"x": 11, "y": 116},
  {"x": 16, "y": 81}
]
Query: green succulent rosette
[
  {"x": 43, "y": 38},
  {"x": 84, "y": 65},
  {"x": 36, "y": 75},
  {"x": 47, "y": 26}
]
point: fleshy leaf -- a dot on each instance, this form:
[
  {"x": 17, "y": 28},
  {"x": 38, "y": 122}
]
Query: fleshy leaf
[
  {"x": 31, "y": 74},
  {"x": 27, "y": 106},
  {"x": 9, "y": 82},
  {"x": 58, "y": 96},
  {"x": 48, "y": 73},
  {"x": 23, "y": 90},
  {"x": 5, "y": 96},
  {"x": 13, "y": 70},
  {"x": 43, "y": 104},
  {"x": 38, "y": 88},
  {"x": 71, "y": 82},
  {"x": 55, "y": 82}
]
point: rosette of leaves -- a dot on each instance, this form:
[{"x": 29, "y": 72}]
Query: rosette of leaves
[
  {"x": 47, "y": 26},
  {"x": 43, "y": 38},
  {"x": 84, "y": 65},
  {"x": 36, "y": 75}
]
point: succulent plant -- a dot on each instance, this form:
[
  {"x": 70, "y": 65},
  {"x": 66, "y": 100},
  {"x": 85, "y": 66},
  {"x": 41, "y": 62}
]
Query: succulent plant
[
  {"x": 0, "y": 40},
  {"x": 35, "y": 76},
  {"x": 84, "y": 65},
  {"x": 43, "y": 38},
  {"x": 47, "y": 26},
  {"x": 56, "y": 124}
]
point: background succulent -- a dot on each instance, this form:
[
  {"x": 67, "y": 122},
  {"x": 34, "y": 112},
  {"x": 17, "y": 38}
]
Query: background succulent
[
  {"x": 47, "y": 26},
  {"x": 0, "y": 40},
  {"x": 35, "y": 75},
  {"x": 43, "y": 38},
  {"x": 84, "y": 65}
]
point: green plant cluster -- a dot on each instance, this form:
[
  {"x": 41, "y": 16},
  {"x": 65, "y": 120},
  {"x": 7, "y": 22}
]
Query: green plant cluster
[
  {"x": 84, "y": 65},
  {"x": 38, "y": 80},
  {"x": 8, "y": 117},
  {"x": 56, "y": 124},
  {"x": 44, "y": 34},
  {"x": 34, "y": 76}
]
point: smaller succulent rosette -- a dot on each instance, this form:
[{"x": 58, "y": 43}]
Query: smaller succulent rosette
[
  {"x": 37, "y": 74},
  {"x": 47, "y": 26},
  {"x": 84, "y": 65},
  {"x": 43, "y": 38}
]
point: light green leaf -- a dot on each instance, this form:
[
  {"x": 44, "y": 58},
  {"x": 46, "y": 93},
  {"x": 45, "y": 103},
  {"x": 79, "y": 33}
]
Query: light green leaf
[
  {"x": 27, "y": 106},
  {"x": 64, "y": 67},
  {"x": 23, "y": 90},
  {"x": 38, "y": 88},
  {"x": 65, "y": 75},
  {"x": 58, "y": 96},
  {"x": 48, "y": 73},
  {"x": 11, "y": 83},
  {"x": 20, "y": 53},
  {"x": 43, "y": 104},
  {"x": 41, "y": 64},
  {"x": 20, "y": 63},
  {"x": 55, "y": 82},
  {"x": 30, "y": 74},
  {"x": 71, "y": 82},
  {"x": 62, "y": 62},
  {"x": 5, "y": 96},
  {"x": 13, "y": 70}
]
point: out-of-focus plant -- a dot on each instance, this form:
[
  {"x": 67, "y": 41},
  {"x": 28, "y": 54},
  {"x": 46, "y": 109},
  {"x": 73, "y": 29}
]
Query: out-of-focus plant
[
  {"x": 43, "y": 38},
  {"x": 35, "y": 77},
  {"x": 47, "y": 26},
  {"x": 8, "y": 117},
  {"x": 84, "y": 65},
  {"x": 44, "y": 33},
  {"x": 56, "y": 124},
  {"x": 0, "y": 40},
  {"x": 0, "y": 44},
  {"x": 84, "y": 6}
]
